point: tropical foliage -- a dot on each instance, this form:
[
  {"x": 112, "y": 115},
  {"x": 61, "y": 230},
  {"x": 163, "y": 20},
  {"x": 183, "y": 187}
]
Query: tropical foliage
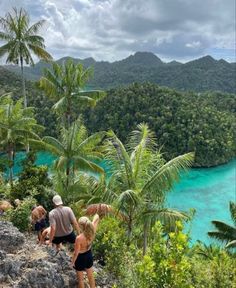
[
  {"x": 74, "y": 151},
  {"x": 17, "y": 127},
  {"x": 140, "y": 179},
  {"x": 65, "y": 84},
  {"x": 22, "y": 40},
  {"x": 225, "y": 232},
  {"x": 182, "y": 122},
  {"x": 142, "y": 242}
]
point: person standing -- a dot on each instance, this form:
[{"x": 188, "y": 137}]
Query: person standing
[
  {"x": 62, "y": 220},
  {"x": 83, "y": 258},
  {"x": 38, "y": 219}
]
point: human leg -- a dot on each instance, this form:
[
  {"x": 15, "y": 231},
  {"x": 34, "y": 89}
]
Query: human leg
[
  {"x": 91, "y": 279},
  {"x": 80, "y": 278}
]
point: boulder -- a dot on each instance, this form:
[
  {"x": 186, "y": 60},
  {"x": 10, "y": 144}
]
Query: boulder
[
  {"x": 11, "y": 239},
  {"x": 25, "y": 264}
]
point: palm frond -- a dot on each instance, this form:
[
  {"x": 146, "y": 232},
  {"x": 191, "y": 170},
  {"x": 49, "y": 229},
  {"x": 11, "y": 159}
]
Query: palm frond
[
  {"x": 96, "y": 95},
  {"x": 60, "y": 105},
  {"x": 225, "y": 228},
  {"x": 5, "y": 36},
  {"x": 224, "y": 237},
  {"x": 232, "y": 208},
  {"x": 231, "y": 244},
  {"x": 92, "y": 141},
  {"x": 35, "y": 27},
  {"x": 54, "y": 145},
  {"x": 115, "y": 150},
  {"x": 127, "y": 198},
  {"x": 84, "y": 100},
  {"x": 164, "y": 178},
  {"x": 85, "y": 165},
  {"x": 40, "y": 52},
  {"x": 142, "y": 142},
  {"x": 166, "y": 216}
]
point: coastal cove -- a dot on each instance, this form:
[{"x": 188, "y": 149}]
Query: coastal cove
[{"x": 207, "y": 190}]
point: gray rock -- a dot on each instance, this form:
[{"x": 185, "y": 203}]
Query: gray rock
[
  {"x": 34, "y": 266},
  {"x": 11, "y": 239}
]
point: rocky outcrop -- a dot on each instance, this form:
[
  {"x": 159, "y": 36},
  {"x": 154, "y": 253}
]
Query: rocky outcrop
[
  {"x": 24, "y": 264},
  {"x": 10, "y": 238}
]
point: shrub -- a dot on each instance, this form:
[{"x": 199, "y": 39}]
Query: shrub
[
  {"x": 166, "y": 263},
  {"x": 20, "y": 216},
  {"x": 33, "y": 181},
  {"x": 217, "y": 271},
  {"x": 111, "y": 250}
]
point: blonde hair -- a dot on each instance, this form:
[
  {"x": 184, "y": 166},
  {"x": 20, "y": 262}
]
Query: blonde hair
[{"x": 87, "y": 228}]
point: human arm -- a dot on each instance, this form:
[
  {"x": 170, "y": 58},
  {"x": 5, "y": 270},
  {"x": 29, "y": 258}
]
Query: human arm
[
  {"x": 74, "y": 221},
  {"x": 52, "y": 233},
  {"x": 76, "y": 225},
  {"x": 52, "y": 228},
  {"x": 96, "y": 220},
  {"x": 44, "y": 235},
  {"x": 76, "y": 251}
]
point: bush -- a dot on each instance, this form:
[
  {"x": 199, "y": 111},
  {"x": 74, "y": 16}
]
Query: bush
[
  {"x": 166, "y": 263},
  {"x": 111, "y": 250},
  {"x": 217, "y": 271},
  {"x": 33, "y": 181},
  {"x": 20, "y": 216}
]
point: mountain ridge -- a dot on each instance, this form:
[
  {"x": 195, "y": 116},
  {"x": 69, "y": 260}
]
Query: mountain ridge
[{"x": 202, "y": 74}]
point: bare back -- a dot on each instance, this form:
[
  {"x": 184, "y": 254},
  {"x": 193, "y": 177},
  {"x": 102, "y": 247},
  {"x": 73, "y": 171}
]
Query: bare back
[{"x": 83, "y": 243}]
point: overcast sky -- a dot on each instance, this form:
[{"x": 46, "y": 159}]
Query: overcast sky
[{"x": 113, "y": 29}]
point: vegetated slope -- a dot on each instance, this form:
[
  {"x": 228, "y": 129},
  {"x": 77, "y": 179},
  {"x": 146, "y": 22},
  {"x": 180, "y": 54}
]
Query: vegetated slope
[
  {"x": 183, "y": 122},
  {"x": 200, "y": 75},
  {"x": 11, "y": 83}
]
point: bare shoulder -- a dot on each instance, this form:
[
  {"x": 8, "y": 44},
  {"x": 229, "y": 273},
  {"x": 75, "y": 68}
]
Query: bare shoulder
[{"x": 79, "y": 238}]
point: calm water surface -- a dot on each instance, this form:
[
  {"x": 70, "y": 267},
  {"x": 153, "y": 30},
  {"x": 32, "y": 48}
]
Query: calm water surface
[{"x": 208, "y": 190}]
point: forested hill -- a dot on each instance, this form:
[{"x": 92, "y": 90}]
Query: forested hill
[
  {"x": 11, "y": 83},
  {"x": 182, "y": 122},
  {"x": 203, "y": 74}
]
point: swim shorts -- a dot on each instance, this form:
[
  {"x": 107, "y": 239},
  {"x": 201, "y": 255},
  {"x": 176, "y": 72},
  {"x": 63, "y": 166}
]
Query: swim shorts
[
  {"x": 84, "y": 261},
  {"x": 64, "y": 239}
]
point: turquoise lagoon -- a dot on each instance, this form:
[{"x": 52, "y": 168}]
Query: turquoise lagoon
[{"x": 207, "y": 190}]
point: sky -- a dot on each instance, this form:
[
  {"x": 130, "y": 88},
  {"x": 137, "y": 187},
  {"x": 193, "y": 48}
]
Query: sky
[{"x": 111, "y": 30}]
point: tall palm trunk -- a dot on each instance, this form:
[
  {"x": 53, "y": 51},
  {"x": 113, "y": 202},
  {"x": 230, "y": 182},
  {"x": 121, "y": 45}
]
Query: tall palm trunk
[
  {"x": 11, "y": 160},
  {"x": 23, "y": 81},
  {"x": 67, "y": 176},
  {"x": 145, "y": 237}
]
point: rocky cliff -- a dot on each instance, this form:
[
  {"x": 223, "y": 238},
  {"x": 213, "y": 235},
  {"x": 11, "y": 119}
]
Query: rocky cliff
[{"x": 24, "y": 264}]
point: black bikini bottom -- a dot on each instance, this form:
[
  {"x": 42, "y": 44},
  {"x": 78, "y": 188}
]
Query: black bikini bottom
[{"x": 84, "y": 261}]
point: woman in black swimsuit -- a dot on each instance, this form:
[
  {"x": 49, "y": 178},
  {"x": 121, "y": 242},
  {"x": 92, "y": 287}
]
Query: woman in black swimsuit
[{"x": 83, "y": 258}]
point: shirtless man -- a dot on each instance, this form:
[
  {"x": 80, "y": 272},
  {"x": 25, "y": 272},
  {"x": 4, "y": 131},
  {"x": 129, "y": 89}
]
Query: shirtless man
[{"x": 38, "y": 219}]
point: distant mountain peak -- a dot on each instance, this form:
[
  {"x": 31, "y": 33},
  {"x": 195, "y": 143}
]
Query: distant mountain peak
[
  {"x": 174, "y": 63},
  {"x": 206, "y": 62},
  {"x": 206, "y": 59},
  {"x": 143, "y": 58}
]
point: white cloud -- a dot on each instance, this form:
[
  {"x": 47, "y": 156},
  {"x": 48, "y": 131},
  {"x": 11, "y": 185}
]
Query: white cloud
[{"x": 113, "y": 29}]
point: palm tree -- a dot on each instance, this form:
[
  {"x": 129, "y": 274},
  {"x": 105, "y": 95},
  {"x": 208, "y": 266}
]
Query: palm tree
[
  {"x": 226, "y": 233},
  {"x": 22, "y": 40},
  {"x": 17, "y": 126},
  {"x": 75, "y": 151},
  {"x": 140, "y": 180},
  {"x": 65, "y": 84}
]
